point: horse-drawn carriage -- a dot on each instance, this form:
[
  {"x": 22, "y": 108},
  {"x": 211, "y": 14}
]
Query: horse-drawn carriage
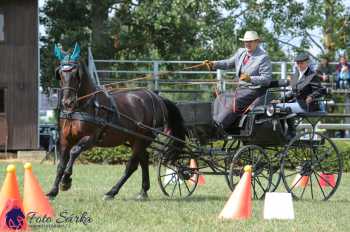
[{"x": 308, "y": 163}]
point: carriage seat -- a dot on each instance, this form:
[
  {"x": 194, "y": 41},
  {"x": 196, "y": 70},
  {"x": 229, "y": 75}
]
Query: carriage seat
[
  {"x": 278, "y": 83},
  {"x": 259, "y": 104}
]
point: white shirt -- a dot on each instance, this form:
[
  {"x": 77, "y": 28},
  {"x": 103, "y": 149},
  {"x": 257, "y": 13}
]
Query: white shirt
[{"x": 301, "y": 74}]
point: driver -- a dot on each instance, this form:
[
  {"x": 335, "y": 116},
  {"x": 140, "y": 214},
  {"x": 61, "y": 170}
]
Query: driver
[{"x": 254, "y": 70}]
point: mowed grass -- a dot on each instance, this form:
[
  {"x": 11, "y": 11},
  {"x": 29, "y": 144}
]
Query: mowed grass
[{"x": 197, "y": 213}]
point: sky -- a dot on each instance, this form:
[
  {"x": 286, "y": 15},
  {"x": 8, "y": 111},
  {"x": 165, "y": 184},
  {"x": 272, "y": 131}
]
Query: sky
[{"x": 41, "y": 27}]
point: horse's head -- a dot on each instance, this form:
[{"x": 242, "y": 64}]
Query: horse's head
[{"x": 69, "y": 75}]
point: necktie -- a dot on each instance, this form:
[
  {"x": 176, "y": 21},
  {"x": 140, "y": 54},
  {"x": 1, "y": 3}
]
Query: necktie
[{"x": 246, "y": 59}]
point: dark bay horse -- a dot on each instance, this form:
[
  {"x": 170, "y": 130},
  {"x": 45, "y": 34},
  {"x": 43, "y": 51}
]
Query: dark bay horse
[{"x": 108, "y": 119}]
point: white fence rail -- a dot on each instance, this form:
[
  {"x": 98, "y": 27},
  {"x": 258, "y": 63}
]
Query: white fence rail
[
  {"x": 325, "y": 126},
  {"x": 280, "y": 70},
  {"x": 219, "y": 78}
]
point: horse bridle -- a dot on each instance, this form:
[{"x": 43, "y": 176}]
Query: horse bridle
[{"x": 68, "y": 67}]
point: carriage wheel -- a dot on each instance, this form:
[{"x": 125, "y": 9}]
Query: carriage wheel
[
  {"x": 275, "y": 170},
  {"x": 178, "y": 178},
  {"x": 275, "y": 180},
  {"x": 231, "y": 148},
  {"x": 261, "y": 169},
  {"x": 311, "y": 167}
]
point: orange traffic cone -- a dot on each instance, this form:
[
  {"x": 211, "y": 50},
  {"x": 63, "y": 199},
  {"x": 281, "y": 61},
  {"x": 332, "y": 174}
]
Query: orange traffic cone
[
  {"x": 12, "y": 217},
  {"x": 300, "y": 181},
  {"x": 9, "y": 188},
  {"x": 34, "y": 200},
  {"x": 327, "y": 180},
  {"x": 239, "y": 205},
  {"x": 201, "y": 179}
]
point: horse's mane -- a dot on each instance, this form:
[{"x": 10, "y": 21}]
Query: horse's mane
[
  {"x": 84, "y": 68},
  {"x": 86, "y": 72}
]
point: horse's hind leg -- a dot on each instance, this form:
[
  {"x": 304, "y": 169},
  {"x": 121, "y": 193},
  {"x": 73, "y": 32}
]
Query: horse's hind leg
[
  {"x": 84, "y": 143},
  {"x": 144, "y": 163},
  {"x": 131, "y": 167}
]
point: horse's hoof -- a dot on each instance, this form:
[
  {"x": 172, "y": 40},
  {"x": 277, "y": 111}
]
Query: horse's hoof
[
  {"x": 65, "y": 186},
  {"x": 142, "y": 197},
  {"x": 52, "y": 195},
  {"x": 108, "y": 197}
]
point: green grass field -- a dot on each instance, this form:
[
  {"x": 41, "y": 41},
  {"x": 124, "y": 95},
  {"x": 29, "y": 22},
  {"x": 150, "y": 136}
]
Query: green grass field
[{"x": 197, "y": 213}]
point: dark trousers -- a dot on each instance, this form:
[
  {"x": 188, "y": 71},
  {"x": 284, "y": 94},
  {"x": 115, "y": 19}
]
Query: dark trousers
[{"x": 242, "y": 99}]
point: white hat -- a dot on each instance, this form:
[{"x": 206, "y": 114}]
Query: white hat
[{"x": 250, "y": 36}]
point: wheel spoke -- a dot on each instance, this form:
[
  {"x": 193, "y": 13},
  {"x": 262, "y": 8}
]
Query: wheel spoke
[
  {"x": 177, "y": 180},
  {"x": 179, "y": 184},
  {"x": 323, "y": 179},
  {"x": 308, "y": 159},
  {"x": 254, "y": 190},
  {"x": 292, "y": 174},
  {"x": 170, "y": 180},
  {"x": 311, "y": 188},
  {"x": 296, "y": 183},
  {"x": 185, "y": 182},
  {"x": 259, "y": 183},
  {"x": 262, "y": 175},
  {"x": 262, "y": 171},
  {"x": 302, "y": 194},
  {"x": 319, "y": 184},
  {"x": 172, "y": 193}
]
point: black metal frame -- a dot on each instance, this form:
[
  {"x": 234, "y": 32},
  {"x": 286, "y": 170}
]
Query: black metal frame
[{"x": 251, "y": 120}]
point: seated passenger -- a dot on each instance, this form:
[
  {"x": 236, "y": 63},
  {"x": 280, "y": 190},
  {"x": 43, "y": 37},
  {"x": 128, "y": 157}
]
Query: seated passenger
[
  {"x": 342, "y": 73},
  {"x": 305, "y": 88},
  {"x": 253, "y": 68}
]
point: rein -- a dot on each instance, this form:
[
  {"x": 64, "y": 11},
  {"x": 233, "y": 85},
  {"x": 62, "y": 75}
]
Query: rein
[
  {"x": 69, "y": 88},
  {"x": 137, "y": 79}
]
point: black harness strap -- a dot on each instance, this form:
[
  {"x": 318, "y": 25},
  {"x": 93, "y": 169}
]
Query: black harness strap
[
  {"x": 86, "y": 117},
  {"x": 161, "y": 104},
  {"x": 114, "y": 110},
  {"x": 154, "y": 121}
]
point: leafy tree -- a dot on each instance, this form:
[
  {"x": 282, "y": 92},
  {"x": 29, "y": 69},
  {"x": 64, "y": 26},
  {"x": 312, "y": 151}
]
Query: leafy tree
[
  {"x": 67, "y": 22},
  {"x": 295, "y": 19},
  {"x": 151, "y": 29}
]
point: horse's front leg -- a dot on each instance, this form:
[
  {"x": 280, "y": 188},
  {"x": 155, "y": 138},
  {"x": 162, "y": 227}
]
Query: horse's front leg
[
  {"x": 84, "y": 143},
  {"x": 63, "y": 160}
]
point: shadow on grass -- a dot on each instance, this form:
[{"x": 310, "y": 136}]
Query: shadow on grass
[{"x": 199, "y": 198}]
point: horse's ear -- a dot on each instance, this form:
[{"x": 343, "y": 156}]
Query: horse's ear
[
  {"x": 57, "y": 74},
  {"x": 76, "y": 53},
  {"x": 58, "y": 53}
]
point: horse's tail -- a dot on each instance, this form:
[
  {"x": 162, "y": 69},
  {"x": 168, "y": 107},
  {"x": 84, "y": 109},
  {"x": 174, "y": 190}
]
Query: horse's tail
[{"x": 176, "y": 126}]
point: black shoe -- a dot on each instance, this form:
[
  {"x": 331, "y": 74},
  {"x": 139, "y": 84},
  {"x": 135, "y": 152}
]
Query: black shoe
[{"x": 219, "y": 130}]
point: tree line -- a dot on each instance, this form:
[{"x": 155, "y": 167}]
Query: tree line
[{"x": 190, "y": 29}]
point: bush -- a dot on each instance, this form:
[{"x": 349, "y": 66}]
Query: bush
[
  {"x": 344, "y": 149},
  {"x": 115, "y": 155},
  {"x": 121, "y": 154}
]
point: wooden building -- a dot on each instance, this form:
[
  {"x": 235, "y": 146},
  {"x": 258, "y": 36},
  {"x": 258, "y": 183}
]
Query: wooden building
[{"x": 19, "y": 70}]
